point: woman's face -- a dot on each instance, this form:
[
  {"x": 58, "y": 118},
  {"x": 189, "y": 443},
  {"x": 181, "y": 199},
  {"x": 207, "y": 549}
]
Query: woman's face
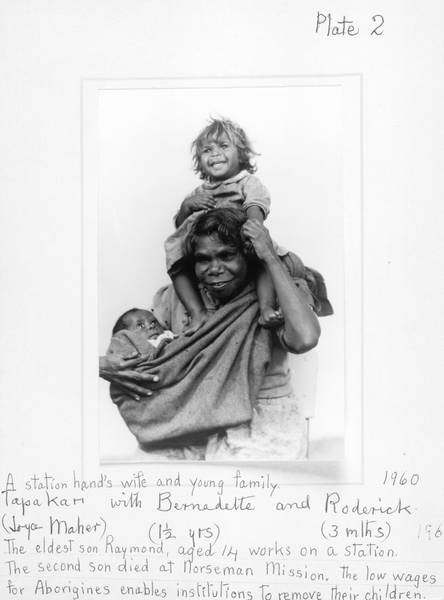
[{"x": 221, "y": 268}]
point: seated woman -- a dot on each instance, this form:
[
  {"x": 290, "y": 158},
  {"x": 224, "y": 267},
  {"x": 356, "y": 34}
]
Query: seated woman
[{"x": 257, "y": 421}]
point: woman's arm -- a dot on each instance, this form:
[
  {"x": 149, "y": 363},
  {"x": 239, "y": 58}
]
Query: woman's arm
[{"x": 301, "y": 326}]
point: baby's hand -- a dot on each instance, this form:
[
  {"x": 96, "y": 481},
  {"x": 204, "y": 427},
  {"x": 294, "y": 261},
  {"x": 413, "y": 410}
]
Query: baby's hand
[{"x": 199, "y": 200}]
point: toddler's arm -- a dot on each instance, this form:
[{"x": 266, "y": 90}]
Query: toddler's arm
[
  {"x": 256, "y": 199},
  {"x": 199, "y": 199},
  {"x": 255, "y": 213}
]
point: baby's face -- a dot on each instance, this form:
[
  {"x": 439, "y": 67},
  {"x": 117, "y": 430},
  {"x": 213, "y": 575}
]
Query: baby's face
[
  {"x": 144, "y": 320},
  {"x": 219, "y": 158}
]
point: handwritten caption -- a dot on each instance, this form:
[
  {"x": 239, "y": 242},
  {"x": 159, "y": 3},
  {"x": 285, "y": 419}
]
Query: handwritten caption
[{"x": 238, "y": 537}]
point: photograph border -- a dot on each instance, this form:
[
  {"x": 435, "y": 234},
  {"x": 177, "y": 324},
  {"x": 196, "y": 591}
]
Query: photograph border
[{"x": 350, "y": 470}]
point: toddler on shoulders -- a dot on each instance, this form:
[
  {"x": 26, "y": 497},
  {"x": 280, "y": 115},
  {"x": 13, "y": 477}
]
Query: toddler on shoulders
[{"x": 223, "y": 157}]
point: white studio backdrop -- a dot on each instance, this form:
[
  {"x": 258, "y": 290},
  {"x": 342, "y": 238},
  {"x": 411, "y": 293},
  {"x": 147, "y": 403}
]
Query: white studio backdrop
[{"x": 145, "y": 171}]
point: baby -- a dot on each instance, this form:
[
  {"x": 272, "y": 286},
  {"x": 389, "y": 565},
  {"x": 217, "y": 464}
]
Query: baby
[
  {"x": 138, "y": 330},
  {"x": 222, "y": 156}
]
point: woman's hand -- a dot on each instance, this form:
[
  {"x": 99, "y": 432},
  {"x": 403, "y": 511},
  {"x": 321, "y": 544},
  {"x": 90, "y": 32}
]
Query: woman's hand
[
  {"x": 124, "y": 374},
  {"x": 258, "y": 236}
]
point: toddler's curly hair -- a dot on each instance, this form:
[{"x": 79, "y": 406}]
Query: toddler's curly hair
[{"x": 237, "y": 136}]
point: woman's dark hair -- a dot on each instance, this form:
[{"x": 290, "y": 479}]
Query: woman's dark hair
[{"x": 225, "y": 223}]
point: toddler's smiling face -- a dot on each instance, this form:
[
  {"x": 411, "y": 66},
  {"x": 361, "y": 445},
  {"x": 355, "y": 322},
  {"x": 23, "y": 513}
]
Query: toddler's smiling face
[{"x": 219, "y": 158}]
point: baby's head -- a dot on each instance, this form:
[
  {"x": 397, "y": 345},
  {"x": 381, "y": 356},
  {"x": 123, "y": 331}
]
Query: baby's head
[
  {"x": 138, "y": 319},
  {"x": 222, "y": 150}
]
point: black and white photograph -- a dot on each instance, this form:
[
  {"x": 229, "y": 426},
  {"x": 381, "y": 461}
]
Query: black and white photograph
[{"x": 242, "y": 359}]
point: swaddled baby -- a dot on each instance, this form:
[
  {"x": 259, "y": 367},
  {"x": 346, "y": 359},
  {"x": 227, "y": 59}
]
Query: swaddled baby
[{"x": 138, "y": 330}]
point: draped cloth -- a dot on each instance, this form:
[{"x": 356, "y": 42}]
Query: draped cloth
[{"x": 207, "y": 382}]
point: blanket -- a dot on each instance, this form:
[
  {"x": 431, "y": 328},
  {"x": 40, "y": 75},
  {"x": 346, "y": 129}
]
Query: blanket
[{"x": 207, "y": 382}]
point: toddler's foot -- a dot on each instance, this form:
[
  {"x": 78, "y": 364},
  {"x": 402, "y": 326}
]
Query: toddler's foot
[
  {"x": 270, "y": 317},
  {"x": 196, "y": 322}
]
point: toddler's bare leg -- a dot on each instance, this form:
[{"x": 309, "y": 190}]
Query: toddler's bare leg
[
  {"x": 188, "y": 294},
  {"x": 270, "y": 317}
]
